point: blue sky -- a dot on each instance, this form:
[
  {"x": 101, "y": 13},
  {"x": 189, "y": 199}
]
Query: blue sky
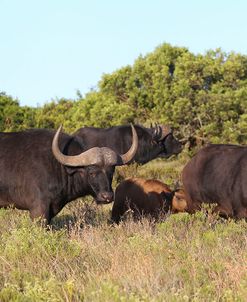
[{"x": 51, "y": 48}]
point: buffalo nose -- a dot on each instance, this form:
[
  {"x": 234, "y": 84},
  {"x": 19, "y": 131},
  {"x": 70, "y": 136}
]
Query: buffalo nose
[{"x": 107, "y": 196}]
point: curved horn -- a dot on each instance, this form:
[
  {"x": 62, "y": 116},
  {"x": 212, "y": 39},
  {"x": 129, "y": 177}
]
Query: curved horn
[
  {"x": 95, "y": 155},
  {"x": 128, "y": 156},
  {"x": 157, "y": 132},
  {"x": 165, "y": 130},
  {"x": 89, "y": 157}
]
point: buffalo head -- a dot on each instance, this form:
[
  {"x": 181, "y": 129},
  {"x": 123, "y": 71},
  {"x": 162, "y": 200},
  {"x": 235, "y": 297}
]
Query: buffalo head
[
  {"x": 163, "y": 136},
  {"x": 95, "y": 166}
]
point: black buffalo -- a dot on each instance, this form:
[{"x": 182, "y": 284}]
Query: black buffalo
[
  {"x": 36, "y": 176},
  {"x": 153, "y": 142},
  {"x": 218, "y": 174}
]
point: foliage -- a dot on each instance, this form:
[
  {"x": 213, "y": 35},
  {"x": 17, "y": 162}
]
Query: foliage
[
  {"x": 204, "y": 97},
  {"x": 13, "y": 117},
  {"x": 55, "y": 113}
]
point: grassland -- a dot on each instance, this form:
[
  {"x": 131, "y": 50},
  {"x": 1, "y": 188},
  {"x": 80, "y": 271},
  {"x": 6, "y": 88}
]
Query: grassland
[{"x": 82, "y": 258}]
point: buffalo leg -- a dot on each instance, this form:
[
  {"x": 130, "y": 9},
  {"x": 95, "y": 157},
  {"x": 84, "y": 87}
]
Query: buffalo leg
[
  {"x": 42, "y": 213},
  {"x": 116, "y": 214},
  {"x": 118, "y": 211}
]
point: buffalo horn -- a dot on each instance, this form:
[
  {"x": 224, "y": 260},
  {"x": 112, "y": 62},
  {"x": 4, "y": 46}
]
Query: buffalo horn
[
  {"x": 157, "y": 132},
  {"x": 160, "y": 132},
  {"x": 95, "y": 155},
  {"x": 165, "y": 130},
  {"x": 132, "y": 151}
]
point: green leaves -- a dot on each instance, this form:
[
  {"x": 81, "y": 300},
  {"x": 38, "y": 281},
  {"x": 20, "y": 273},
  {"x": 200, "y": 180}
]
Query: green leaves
[
  {"x": 12, "y": 116},
  {"x": 199, "y": 95}
]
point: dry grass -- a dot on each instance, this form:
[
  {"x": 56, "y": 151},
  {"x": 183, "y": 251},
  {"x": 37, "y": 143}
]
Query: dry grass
[{"x": 83, "y": 258}]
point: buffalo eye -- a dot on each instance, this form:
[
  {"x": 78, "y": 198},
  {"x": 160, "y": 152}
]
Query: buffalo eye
[{"x": 92, "y": 174}]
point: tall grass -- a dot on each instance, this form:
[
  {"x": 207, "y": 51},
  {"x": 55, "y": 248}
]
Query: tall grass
[{"x": 83, "y": 258}]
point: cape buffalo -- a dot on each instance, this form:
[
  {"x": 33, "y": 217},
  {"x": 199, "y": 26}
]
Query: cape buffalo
[
  {"x": 36, "y": 176},
  {"x": 218, "y": 174},
  {"x": 146, "y": 197},
  {"x": 153, "y": 142}
]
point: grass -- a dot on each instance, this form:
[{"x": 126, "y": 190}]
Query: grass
[{"x": 83, "y": 258}]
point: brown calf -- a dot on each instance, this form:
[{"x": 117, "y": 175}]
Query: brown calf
[{"x": 146, "y": 197}]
